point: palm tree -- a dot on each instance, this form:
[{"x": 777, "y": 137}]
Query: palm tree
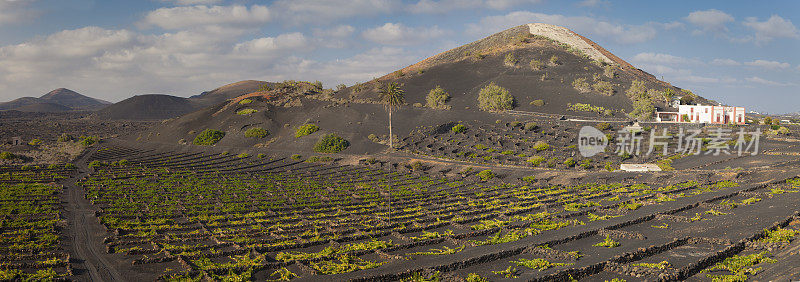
[{"x": 393, "y": 97}]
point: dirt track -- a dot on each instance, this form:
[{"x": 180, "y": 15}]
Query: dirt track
[{"x": 85, "y": 232}]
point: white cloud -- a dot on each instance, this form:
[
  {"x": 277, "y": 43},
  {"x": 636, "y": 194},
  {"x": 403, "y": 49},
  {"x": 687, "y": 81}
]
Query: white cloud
[
  {"x": 774, "y": 27},
  {"x": 725, "y": 62},
  {"x": 768, "y": 64},
  {"x": 192, "y": 2},
  {"x": 16, "y": 11},
  {"x": 585, "y": 26},
  {"x": 710, "y": 20},
  {"x": 756, "y": 79},
  {"x": 399, "y": 34},
  {"x": 326, "y": 11},
  {"x": 443, "y": 6},
  {"x": 593, "y": 3},
  {"x": 193, "y": 16},
  {"x": 114, "y": 64},
  {"x": 658, "y": 58},
  {"x": 273, "y": 46}
]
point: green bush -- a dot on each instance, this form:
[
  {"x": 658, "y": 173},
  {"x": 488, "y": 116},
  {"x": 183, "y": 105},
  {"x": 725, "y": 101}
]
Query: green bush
[
  {"x": 540, "y": 146},
  {"x": 35, "y": 142},
  {"x": 89, "y": 141},
  {"x": 256, "y": 132},
  {"x": 569, "y": 162},
  {"x": 242, "y": 155},
  {"x": 537, "y": 103},
  {"x": 7, "y": 156},
  {"x": 531, "y": 126},
  {"x": 208, "y": 137},
  {"x": 296, "y": 157},
  {"x": 495, "y": 98},
  {"x": 603, "y": 126},
  {"x": 536, "y": 64},
  {"x": 581, "y": 85},
  {"x": 65, "y": 138},
  {"x": 305, "y": 129},
  {"x": 581, "y": 107},
  {"x": 609, "y": 71},
  {"x": 536, "y": 160},
  {"x": 97, "y": 164},
  {"x": 554, "y": 60},
  {"x": 603, "y": 87},
  {"x": 510, "y": 60},
  {"x": 70, "y": 166},
  {"x": 437, "y": 98},
  {"x": 331, "y": 143},
  {"x": 244, "y": 112},
  {"x": 245, "y": 101},
  {"x": 261, "y": 156},
  {"x": 458, "y": 128},
  {"x": 486, "y": 174}
]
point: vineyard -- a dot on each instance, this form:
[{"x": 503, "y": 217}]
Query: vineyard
[
  {"x": 31, "y": 245},
  {"x": 218, "y": 216}
]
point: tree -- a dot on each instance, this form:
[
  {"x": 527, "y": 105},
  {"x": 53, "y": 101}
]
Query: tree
[
  {"x": 668, "y": 94},
  {"x": 392, "y": 97}
]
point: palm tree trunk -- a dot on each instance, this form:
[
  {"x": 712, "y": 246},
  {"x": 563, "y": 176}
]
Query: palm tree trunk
[{"x": 391, "y": 144}]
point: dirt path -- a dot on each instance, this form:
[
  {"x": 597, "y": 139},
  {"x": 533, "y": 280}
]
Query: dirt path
[{"x": 85, "y": 232}]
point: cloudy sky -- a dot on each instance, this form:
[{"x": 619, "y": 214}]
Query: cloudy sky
[{"x": 736, "y": 52}]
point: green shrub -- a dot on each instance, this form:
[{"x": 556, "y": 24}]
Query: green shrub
[
  {"x": 531, "y": 126},
  {"x": 581, "y": 85},
  {"x": 97, "y": 164},
  {"x": 340, "y": 87},
  {"x": 7, "y": 156},
  {"x": 35, "y": 142},
  {"x": 65, "y": 138},
  {"x": 610, "y": 71},
  {"x": 495, "y": 98},
  {"x": 458, "y": 128},
  {"x": 581, "y": 107},
  {"x": 316, "y": 159},
  {"x": 89, "y": 141},
  {"x": 437, "y": 98},
  {"x": 208, "y": 137},
  {"x": 244, "y": 112},
  {"x": 569, "y": 162},
  {"x": 70, "y": 166},
  {"x": 510, "y": 60},
  {"x": 256, "y": 132},
  {"x": 536, "y": 64},
  {"x": 296, "y": 157},
  {"x": 261, "y": 156},
  {"x": 642, "y": 109},
  {"x": 535, "y": 160},
  {"x": 603, "y": 87},
  {"x": 331, "y": 143},
  {"x": 537, "y": 103},
  {"x": 486, "y": 174},
  {"x": 507, "y": 152},
  {"x": 603, "y": 126},
  {"x": 609, "y": 166},
  {"x": 514, "y": 123},
  {"x": 587, "y": 164},
  {"x": 26, "y": 167},
  {"x": 305, "y": 129},
  {"x": 540, "y": 146},
  {"x": 554, "y": 60},
  {"x": 245, "y": 101}
]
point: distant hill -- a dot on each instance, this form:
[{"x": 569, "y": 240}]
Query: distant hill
[
  {"x": 229, "y": 91},
  {"x": 43, "y": 108},
  {"x": 161, "y": 106},
  {"x": 66, "y": 98},
  {"x": 148, "y": 107}
]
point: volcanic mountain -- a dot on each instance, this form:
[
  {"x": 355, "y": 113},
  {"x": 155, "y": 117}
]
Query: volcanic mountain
[
  {"x": 547, "y": 69},
  {"x": 161, "y": 106},
  {"x": 61, "y": 99}
]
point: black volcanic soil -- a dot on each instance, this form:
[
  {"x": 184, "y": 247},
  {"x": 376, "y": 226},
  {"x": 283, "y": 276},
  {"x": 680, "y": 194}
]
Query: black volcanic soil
[{"x": 148, "y": 107}]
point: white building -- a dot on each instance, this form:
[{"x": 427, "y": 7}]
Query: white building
[{"x": 704, "y": 114}]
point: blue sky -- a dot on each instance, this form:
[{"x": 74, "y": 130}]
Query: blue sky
[{"x": 736, "y": 52}]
